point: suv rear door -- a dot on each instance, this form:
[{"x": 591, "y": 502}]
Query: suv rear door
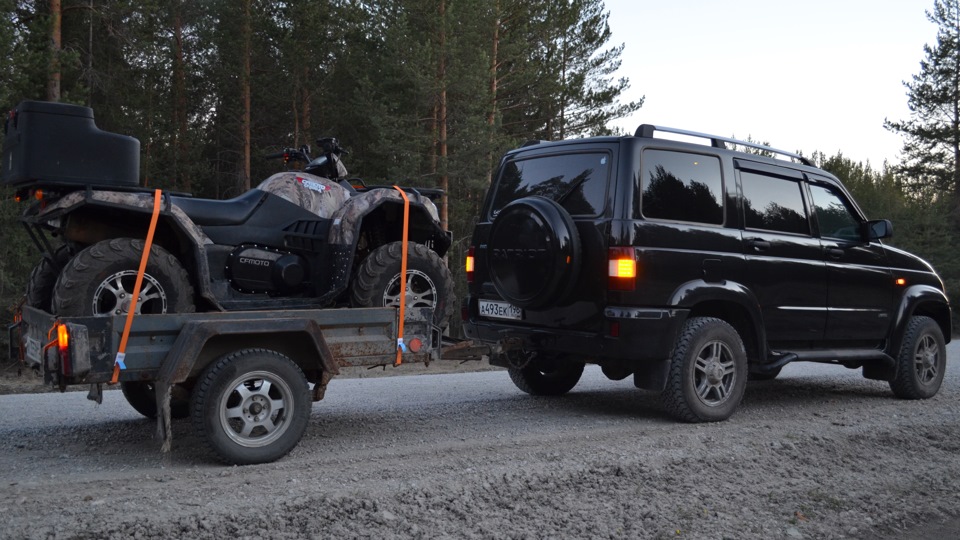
[{"x": 785, "y": 267}]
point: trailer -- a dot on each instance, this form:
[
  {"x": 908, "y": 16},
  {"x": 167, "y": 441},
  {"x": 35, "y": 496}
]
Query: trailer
[{"x": 246, "y": 379}]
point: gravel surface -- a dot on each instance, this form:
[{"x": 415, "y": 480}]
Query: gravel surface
[{"x": 818, "y": 453}]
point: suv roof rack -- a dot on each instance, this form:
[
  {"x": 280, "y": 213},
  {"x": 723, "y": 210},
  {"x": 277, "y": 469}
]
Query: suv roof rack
[{"x": 646, "y": 130}]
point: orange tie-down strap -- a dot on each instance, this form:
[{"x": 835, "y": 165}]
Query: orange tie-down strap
[
  {"x": 401, "y": 348},
  {"x": 121, "y": 352}
]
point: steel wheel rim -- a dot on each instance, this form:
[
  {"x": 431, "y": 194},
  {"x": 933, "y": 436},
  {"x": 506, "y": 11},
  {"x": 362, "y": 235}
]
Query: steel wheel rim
[
  {"x": 714, "y": 373},
  {"x": 926, "y": 360},
  {"x": 256, "y": 410},
  {"x": 114, "y": 294},
  {"x": 421, "y": 291}
]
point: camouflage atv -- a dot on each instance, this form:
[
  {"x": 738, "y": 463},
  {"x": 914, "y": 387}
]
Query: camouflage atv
[{"x": 301, "y": 239}]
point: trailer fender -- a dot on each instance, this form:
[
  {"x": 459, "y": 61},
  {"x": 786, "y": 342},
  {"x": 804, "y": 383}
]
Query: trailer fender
[{"x": 192, "y": 351}]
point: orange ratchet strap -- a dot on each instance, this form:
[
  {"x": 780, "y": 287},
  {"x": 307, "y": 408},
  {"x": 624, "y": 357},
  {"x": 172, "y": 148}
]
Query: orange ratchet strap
[
  {"x": 121, "y": 353},
  {"x": 401, "y": 348}
]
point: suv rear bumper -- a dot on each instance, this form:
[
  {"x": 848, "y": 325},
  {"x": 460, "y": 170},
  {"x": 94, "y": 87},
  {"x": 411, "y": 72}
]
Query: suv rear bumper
[{"x": 643, "y": 335}]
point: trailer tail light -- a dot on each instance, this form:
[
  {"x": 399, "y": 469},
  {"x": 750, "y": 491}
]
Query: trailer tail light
[
  {"x": 63, "y": 347},
  {"x": 470, "y": 264},
  {"x": 622, "y": 273}
]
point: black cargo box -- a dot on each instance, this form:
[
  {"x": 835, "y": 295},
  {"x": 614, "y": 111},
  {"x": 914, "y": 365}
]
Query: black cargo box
[{"x": 56, "y": 144}]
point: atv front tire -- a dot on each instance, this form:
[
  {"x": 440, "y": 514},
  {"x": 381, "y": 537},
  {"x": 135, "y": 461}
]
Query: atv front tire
[
  {"x": 429, "y": 282},
  {"x": 99, "y": 281}
]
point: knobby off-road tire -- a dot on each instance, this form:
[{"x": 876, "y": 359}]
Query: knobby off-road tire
[
  {"x": 251, "y": 406},
  {"x": 922, "y": 360},
  {"x": 99, "y": 281},
  {"x": 546, "y": 377},
  {"x": 429, "y": 282},
  {"x": 708, "y": 372},
  {"x": 43, "y": 277}
]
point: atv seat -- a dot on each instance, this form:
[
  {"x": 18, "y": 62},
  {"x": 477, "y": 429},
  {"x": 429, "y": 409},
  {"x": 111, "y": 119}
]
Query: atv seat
[{"x": 233, "y": 211}]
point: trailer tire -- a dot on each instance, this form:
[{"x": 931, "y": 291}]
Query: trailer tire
[
  {"x": 142, "y": 397},
  {"x": 251, "y": 406}
]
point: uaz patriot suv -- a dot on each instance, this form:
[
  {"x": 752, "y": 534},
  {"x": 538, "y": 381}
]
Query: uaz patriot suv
[{"x": 692, "y": 267}]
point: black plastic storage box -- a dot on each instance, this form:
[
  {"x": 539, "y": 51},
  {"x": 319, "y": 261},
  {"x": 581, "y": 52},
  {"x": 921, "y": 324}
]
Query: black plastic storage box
[{"x": 56, "y": 144}]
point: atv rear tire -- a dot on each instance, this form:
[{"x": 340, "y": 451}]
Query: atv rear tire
[
  {"x": 99, "y": 281},
  {"x": 429, "y": 282},
  {"x": 44, "y": 277}
]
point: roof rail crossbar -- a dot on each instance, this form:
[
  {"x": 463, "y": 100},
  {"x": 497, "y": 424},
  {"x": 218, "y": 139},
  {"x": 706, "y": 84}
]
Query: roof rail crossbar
[{"x": 647, "y": 130}]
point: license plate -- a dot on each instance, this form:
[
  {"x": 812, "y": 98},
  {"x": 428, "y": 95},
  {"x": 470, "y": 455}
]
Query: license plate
[
  {"x": 33, "y": 351},
  {"x": 500, "y": 310}
]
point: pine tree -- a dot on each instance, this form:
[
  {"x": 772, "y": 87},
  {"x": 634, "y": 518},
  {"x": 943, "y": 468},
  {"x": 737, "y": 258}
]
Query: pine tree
[{"x": 931, "y": 150}]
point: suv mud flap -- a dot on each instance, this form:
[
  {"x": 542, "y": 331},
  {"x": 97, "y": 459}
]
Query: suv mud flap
[{"x": 652, "y": 375}]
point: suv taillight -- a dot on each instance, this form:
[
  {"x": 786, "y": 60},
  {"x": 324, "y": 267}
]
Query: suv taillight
[
  {"x": 622, "y": 274},
  {"x": 470, "y": 265}
]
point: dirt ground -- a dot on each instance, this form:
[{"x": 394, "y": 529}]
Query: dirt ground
[{"x": 818, "y": 453}]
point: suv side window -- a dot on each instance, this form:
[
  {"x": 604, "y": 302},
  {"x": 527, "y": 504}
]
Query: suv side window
[
  {"x": 679, "y": 186},
  {"x": 773, "y": 204},
  {"x": 833, "y": 215},
  {"x": 577, "y": 181}
]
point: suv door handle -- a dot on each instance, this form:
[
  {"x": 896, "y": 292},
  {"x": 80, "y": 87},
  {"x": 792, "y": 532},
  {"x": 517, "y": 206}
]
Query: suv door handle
[
  {"x": 835, "y": 253},
  {"x": 759, "y": 245}
]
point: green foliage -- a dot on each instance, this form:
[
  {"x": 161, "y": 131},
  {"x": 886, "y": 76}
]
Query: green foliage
[
  {"x": 931, "y": 149},
  {"x": 921, "y": 226}
]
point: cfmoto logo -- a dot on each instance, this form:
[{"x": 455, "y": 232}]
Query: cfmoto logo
[{"x": 254, "y": 262}]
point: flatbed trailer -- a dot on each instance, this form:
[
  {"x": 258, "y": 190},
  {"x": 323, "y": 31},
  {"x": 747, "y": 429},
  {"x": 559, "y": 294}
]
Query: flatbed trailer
[{"x": 246, "y": 379}]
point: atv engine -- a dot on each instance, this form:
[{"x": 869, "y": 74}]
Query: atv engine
[{"x": 254, "y": 269}]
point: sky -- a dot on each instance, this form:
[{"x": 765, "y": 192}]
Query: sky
[{"x": 811, "y": 75}]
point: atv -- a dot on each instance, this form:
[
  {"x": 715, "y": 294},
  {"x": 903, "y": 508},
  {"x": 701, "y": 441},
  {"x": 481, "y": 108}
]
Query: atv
[{"x": 301, "y": 239}]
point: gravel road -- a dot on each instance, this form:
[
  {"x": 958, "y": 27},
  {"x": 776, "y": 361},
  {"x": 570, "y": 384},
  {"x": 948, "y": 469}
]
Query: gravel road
[{"x": 818, "y": 453}]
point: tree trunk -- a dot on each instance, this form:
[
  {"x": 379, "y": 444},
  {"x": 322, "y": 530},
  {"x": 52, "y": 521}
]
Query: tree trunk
[
  {"x": 56, "y": 44},
  {"x": 181, "y": 179},
  {"x": 492, "y": 112},
  {"x": 245, "y": 82},
  {"x": 442, "y": 79}
]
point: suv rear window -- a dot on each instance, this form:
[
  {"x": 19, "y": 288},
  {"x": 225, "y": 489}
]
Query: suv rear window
[
  {"x": 680, "y": 186},
  {"x": 577, "y": 181}
]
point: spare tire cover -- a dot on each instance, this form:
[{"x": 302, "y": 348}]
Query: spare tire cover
[{"x": 533, "y": 253}]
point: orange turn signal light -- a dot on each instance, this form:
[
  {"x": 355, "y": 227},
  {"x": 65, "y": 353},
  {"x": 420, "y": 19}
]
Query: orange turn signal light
[{"x": 63, "y": 337}]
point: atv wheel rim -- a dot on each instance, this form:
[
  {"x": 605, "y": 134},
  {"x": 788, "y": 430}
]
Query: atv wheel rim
[
  {"x": 256, "y": 409},
  {"x": 115, "y": 294},
  {"x": 926, "y": 360},
  {"x": 421, "y": 291},
  {"x": 714, "y": 374}
]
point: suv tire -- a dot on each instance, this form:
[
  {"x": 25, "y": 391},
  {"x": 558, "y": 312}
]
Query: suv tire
[
  {"x": 708, "y": 372},
  {"x": 534, "y": 253},
  {"x": 922, "y": 360},
  {"x": 553, "y": 378}
]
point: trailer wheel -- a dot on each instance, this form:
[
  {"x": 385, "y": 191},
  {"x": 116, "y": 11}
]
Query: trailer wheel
[
  {"x": 251, "y": 406},
  {"x": 143, "y": 398}
]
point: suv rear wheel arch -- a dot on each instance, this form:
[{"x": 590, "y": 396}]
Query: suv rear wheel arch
[{"x": 730, "y": 302}]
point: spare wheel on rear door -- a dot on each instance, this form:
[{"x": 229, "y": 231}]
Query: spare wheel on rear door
[{"x": 533, "y": 253}]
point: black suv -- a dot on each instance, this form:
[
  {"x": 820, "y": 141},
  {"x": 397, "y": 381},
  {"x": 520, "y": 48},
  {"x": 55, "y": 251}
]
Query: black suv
[{"x": 692, "y": 267}]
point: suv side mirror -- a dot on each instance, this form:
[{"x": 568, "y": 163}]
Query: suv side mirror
[{"x": 877, "y": 229}]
